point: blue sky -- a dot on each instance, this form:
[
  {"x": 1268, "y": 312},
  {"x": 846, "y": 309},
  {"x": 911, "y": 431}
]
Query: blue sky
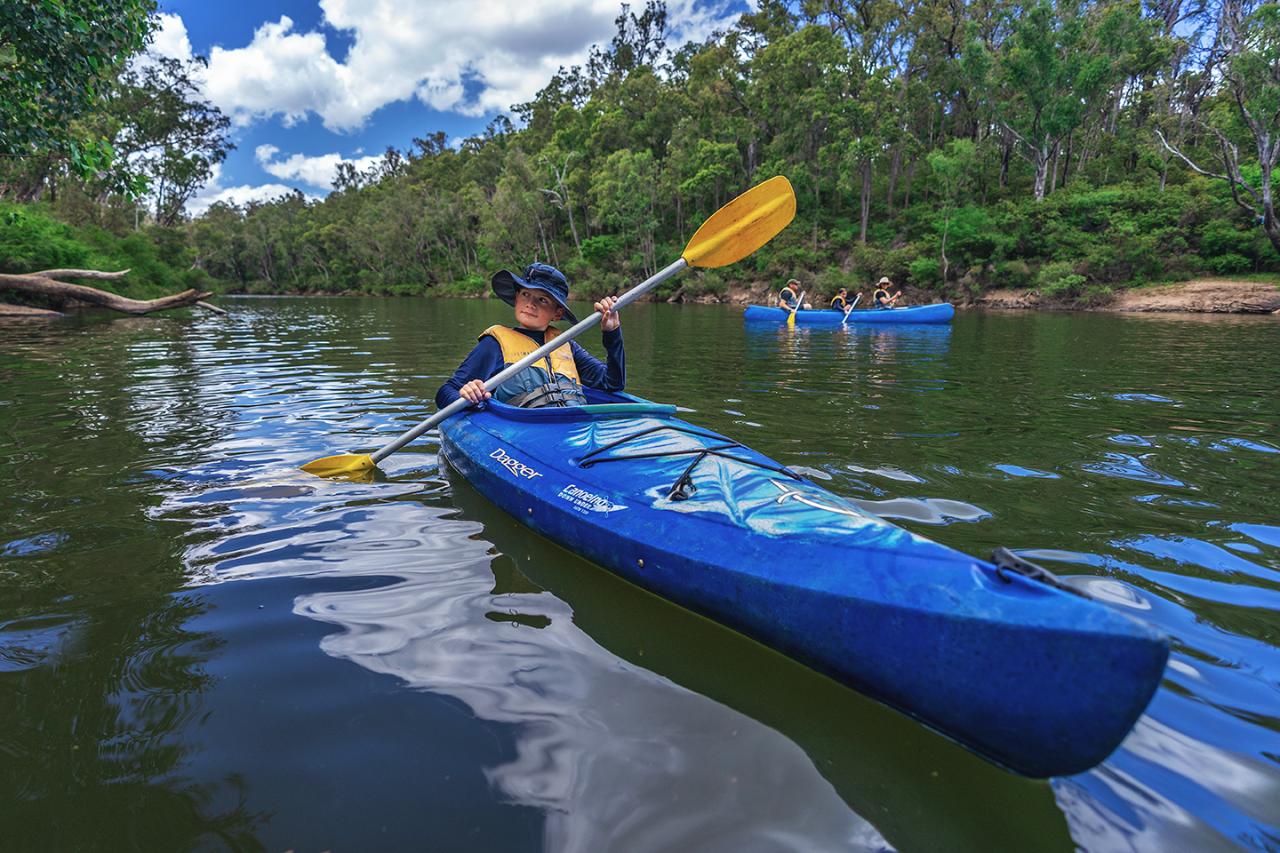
[{"x": 311, "y": 83}]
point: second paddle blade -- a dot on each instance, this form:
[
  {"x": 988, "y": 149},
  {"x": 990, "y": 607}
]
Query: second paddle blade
[{"x": 743, "y": 225}]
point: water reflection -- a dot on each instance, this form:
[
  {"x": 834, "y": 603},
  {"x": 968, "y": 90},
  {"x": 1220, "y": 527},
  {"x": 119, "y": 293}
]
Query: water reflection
[
  {"x": 99, "y": 674},
  {"x": 615, "y": 756},
  {"x": 880, "y": 763}
]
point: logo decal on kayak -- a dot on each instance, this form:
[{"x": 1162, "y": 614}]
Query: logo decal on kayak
[
  {"x": 514, "y": 465},
  {"x": 585, "y": 501}
]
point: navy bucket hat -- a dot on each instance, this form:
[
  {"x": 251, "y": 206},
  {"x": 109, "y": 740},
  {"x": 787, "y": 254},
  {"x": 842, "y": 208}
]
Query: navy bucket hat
[{"x": 536, "y": 276}]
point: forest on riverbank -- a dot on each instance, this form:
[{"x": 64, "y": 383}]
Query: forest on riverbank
[{"x": 1067, "y": 147}]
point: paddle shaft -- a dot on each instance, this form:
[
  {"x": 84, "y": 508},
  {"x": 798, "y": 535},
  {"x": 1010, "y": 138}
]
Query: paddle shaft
[
  {"x": 541, "y": 352},
  {"x": 853, "y": 305}
]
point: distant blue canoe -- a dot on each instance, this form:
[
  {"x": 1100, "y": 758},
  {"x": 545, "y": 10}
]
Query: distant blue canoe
[
  {"x": 940, "y": 312},
  {"x": 1026, "y": 673}
]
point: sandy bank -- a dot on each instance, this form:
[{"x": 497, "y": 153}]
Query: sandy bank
[{"x": 1202, "y": 296}]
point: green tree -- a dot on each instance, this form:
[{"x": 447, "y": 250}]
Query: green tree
[
  {"x": 169, "y": 133},
  {"x": 1247, "y": 112},
  {"x": 623, "y": 195},
  {"x": 952, "y": 168},
  {"x": 58, "y": 60},
  {"x": 1053, "y": 70}
]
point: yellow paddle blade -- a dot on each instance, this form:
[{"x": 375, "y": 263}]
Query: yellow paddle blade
[
  {"x": 743, "y": 225},
  {"x": 342, "y": 465},
  {"x": 791, "y": 320}
]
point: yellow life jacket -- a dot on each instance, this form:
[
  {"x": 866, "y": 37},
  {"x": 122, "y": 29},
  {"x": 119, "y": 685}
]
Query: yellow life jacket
[
  {"x": 782, "y": 295},
  {"x": 843, "y": 304},
  {"x": 553, "y": 381}
]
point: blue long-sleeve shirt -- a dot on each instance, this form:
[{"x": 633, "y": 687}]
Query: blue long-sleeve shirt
[{"x": 485, "y": 360}]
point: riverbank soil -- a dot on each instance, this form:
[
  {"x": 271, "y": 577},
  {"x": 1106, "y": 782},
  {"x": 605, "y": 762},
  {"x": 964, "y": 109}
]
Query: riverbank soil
[{"x": 1205, "y": 296}]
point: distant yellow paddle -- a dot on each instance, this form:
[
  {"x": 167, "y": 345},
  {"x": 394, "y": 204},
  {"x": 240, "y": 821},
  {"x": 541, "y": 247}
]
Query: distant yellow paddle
[
  {"x": 730, "y": 234},
  {"x": 791, "y": 318}
]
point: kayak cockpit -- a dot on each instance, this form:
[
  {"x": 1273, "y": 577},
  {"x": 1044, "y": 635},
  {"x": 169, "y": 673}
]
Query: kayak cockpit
[{"x": 600, "y": 405}]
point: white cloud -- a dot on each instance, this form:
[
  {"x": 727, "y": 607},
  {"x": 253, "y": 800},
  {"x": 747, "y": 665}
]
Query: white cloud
[
  {"x": 278, "y": 73},
  {"x": 502, "y": 50},
  {"x": 213, "y": 192},
  {"x": 316, "y": 171},
  {"x": 169, "y": 40}
]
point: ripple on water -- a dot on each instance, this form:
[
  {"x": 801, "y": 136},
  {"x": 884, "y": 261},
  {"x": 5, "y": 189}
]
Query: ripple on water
[
  {"x": 1267, "y": 534},
  {"x": 1229, "y": 444},
  {"x": 1195, "y": 552},
  {"x": 1019, "y": 471},
  {"x": 37, "y": 544},
  {"x": 37, "y": 640},
  {"x": 925, "y": 510},
  {"x": 1130, "y": 468}
]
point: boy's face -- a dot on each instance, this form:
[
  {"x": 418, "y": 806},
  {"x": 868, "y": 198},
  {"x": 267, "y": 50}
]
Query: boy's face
[{"x": 536, "y": 310}]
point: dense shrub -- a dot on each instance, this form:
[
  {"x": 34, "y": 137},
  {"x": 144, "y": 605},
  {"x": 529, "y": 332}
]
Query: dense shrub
[
  {"x": 926, "y": 272},
  {"x": 31, "y": 239},
  {"x": 602, "y": 249},
  {"x": 1011, "y": 274},
  {"x": 1059, "y": 279}
]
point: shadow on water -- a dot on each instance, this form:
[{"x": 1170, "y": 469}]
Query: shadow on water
[{"x": 919, "y": 790}]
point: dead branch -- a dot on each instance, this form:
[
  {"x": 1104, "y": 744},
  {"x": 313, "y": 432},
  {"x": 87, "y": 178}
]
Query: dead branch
[
  {"x": 43, "y": 284},
  {"x": 24, "y": 311},
  {"x": 94, "y": 274}
]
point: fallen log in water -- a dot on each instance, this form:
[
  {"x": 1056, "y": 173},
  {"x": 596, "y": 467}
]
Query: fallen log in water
[{"x": 45, "y": 284}]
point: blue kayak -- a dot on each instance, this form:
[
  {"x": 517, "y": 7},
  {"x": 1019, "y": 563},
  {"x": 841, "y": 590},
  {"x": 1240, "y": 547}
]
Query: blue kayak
[
  {"x": 1018, "y": 668},
  {"x": 940, "y": 312}
]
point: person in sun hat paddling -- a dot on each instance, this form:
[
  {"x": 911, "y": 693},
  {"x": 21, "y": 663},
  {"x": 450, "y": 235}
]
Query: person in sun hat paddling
[
  {"x": 881, "y": 298},
  {"x": 540, "y": 297},
  {"x": 789, "y": 295}
]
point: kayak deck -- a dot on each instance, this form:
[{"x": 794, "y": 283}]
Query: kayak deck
[{"x": 1035, "y": 678}]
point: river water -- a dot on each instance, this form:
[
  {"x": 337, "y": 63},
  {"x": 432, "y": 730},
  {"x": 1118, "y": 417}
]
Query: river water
[{"x": 202, "y": 648}]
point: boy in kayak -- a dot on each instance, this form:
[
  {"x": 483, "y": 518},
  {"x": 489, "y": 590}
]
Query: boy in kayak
[
  {"x": 881, "y": 297},
  {"x": 539, "y": 298}
]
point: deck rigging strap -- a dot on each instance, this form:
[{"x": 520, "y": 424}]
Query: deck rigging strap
[
  {"x": 683, "y": 487},
  {"x": 1007, "y": 561}
]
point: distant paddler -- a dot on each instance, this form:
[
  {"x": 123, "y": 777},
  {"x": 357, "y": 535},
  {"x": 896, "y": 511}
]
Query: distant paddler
[
  {"x": 881, "y": 298},
  {"x": 789, "y": 296}
]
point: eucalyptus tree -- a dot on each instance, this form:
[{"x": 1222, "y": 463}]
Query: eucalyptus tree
[
  {"x": 799, "y": 84},
  {"x": 623, "y": 194},
  {"x": 167, "y": 131},
  {"x": 1055, "y": 68},
  {"x": 1246, "y": 112},
  {"x": 953, "y": 169}
]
